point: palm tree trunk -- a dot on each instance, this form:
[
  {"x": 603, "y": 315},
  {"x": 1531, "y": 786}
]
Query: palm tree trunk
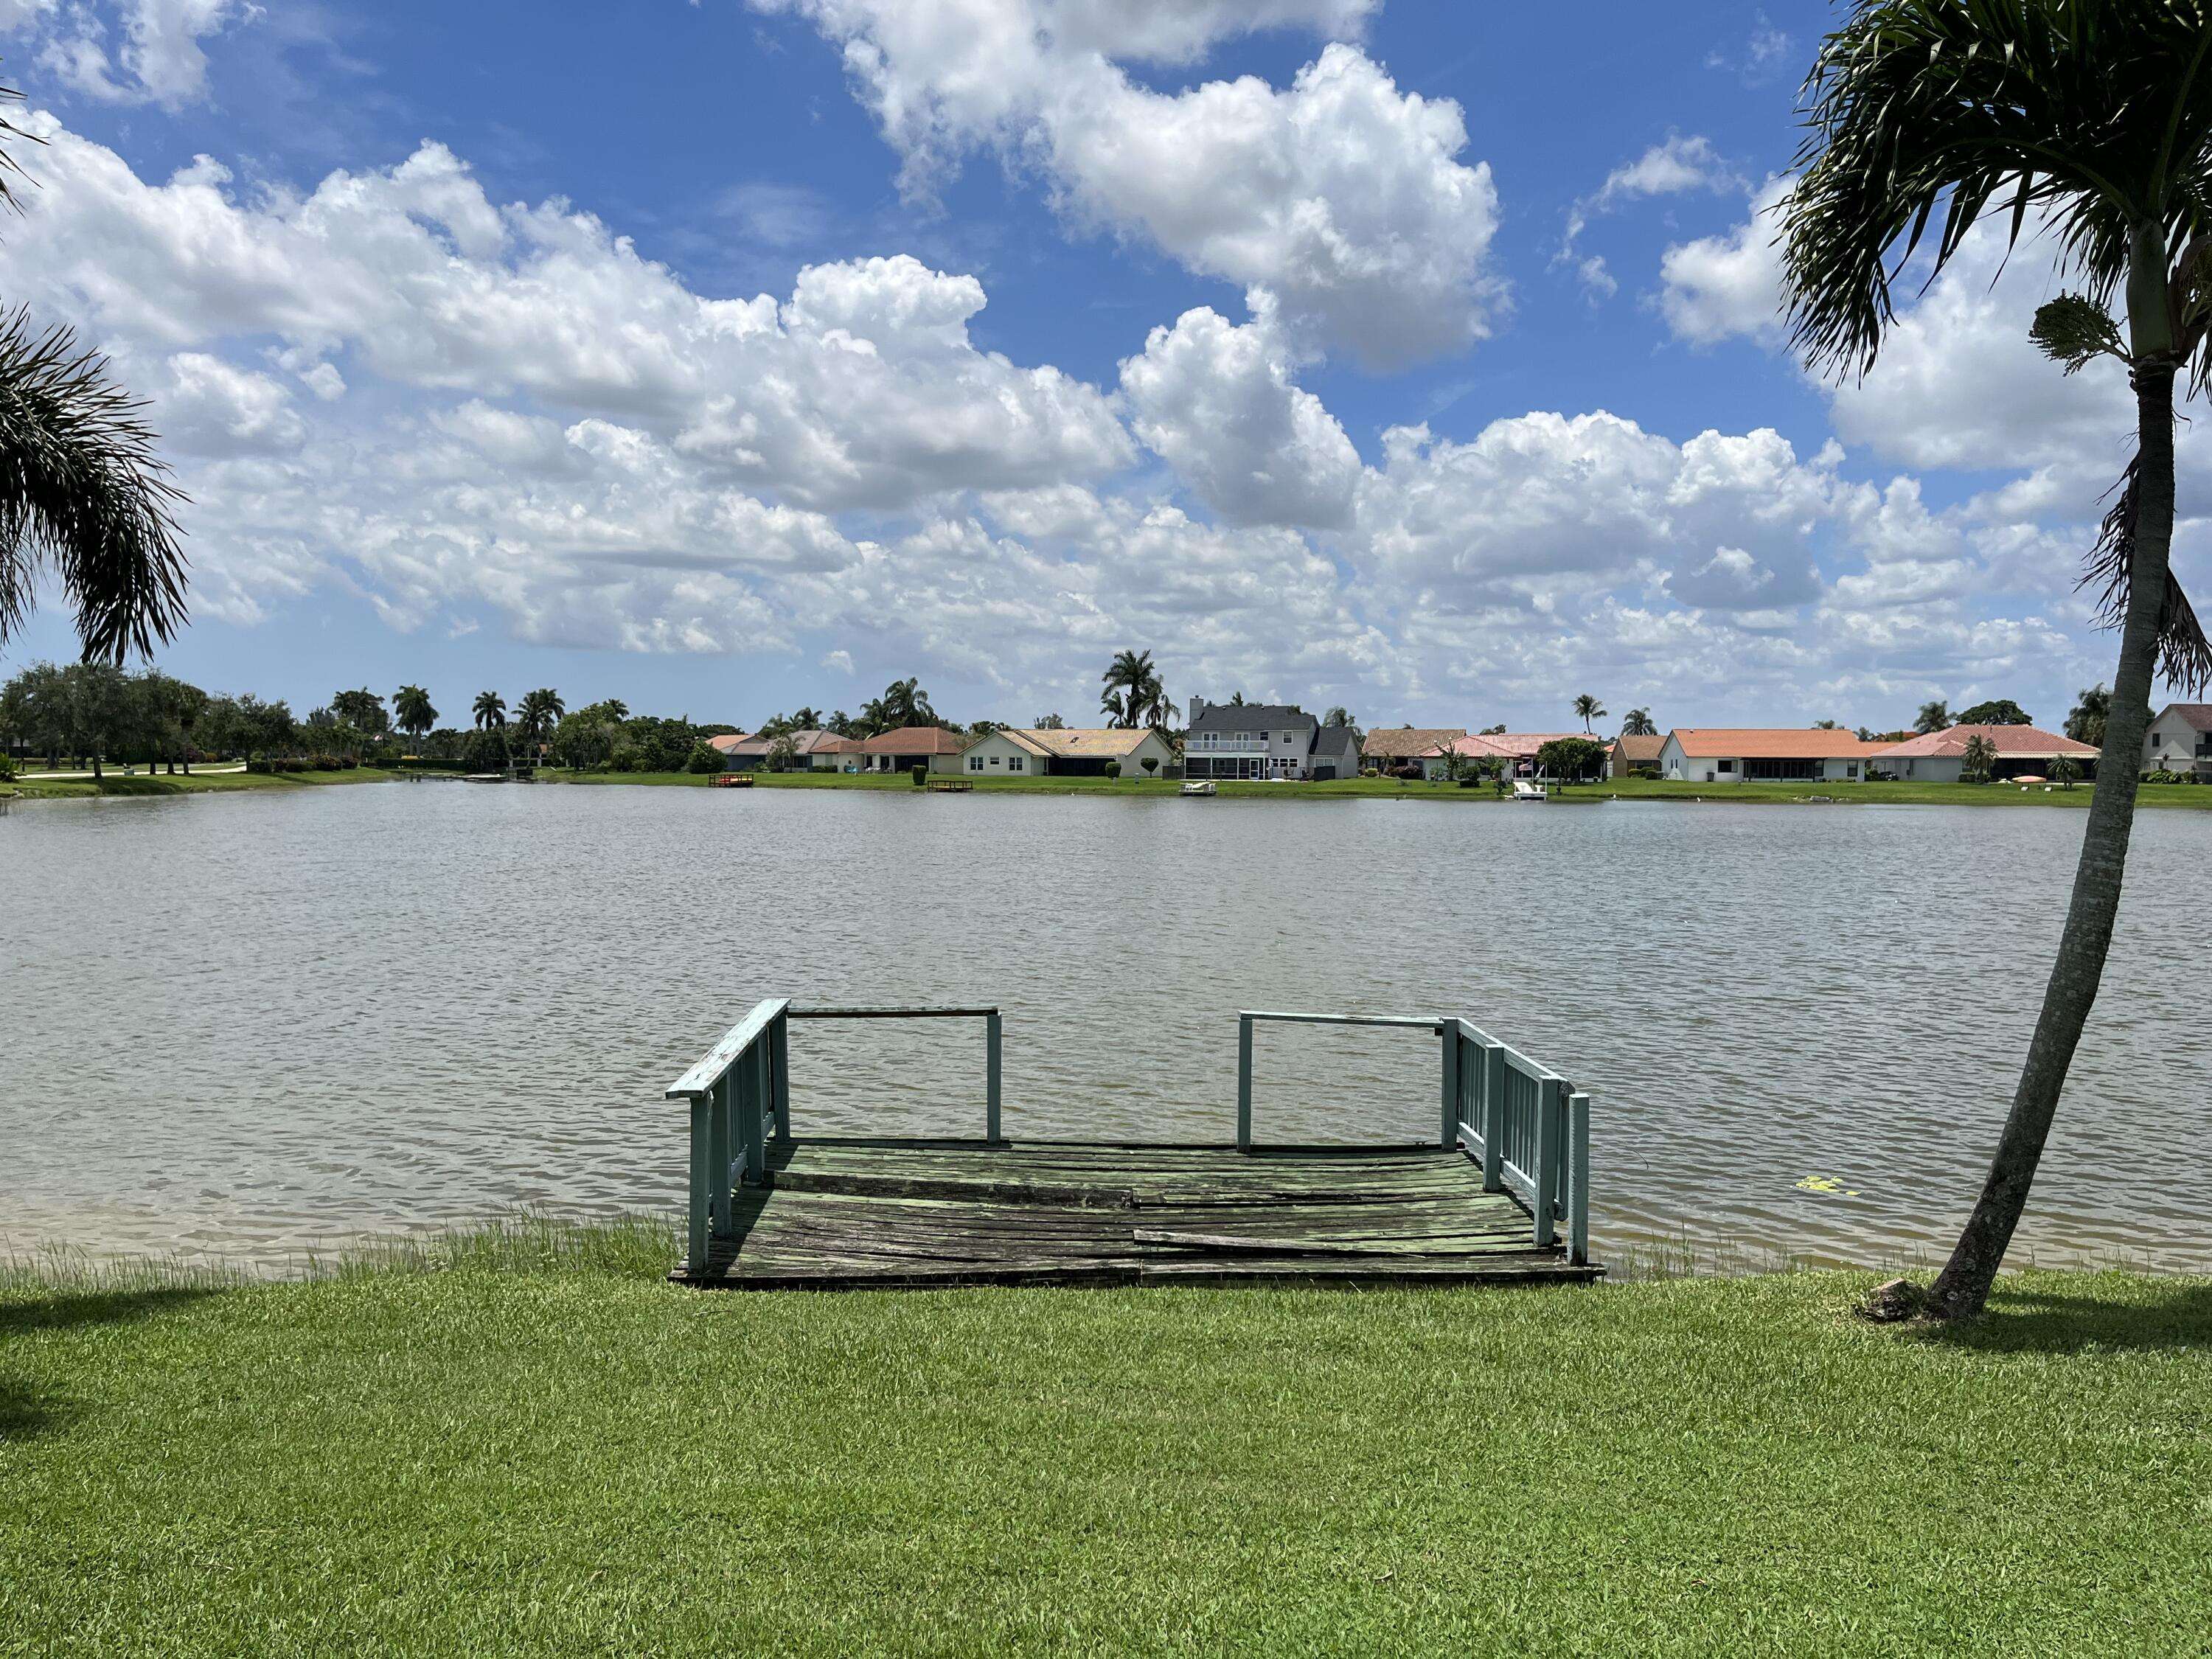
[{"x": 1964, "y": 1284}]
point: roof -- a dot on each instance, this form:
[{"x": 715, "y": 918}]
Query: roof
[
  {"x": 802, "y": 742},
  {"x": 2013, "y": 743},
  {"x": 915, "y": 740},
  {"x": 1771, "y": 743},
  {"x": 1251, "y": 717},
  {"x": 731, "y": 743},
  {"x": 1074, "y": 743},
  {"x": 2198, "y": 714},
  {"x": 1341, "y": 741},
  {"x": 1635, "y": 748},
  {"x": 1512, "y": 745},
  {"x": 1404, "y": 742}
]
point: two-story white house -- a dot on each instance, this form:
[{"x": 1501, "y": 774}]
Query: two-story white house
[
  {"x": 2180, "y": 739},
  {"x": 1265, "y": 740}
]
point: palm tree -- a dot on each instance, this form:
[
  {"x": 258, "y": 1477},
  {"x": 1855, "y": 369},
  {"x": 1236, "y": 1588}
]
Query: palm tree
[
  {"x": 1977, "y": 760},
  {"x": 1339, "y": 715},
  {"x": 1133, "y": 695},
  {"x": 904, "y": 703},
  {"x": 807, "y": 718},
  {"x": 82, "y": 493},
  {"x": 1933, "y": 717},
  {"x": 412, "y": 711},
  {"x": 490, "y": 711},
  {"x": 538, "y": 713},
  {"x": 1590, "y": 709},
  {"x": 1639, "y": 725},
  {"x": 2098, "y": 119}
]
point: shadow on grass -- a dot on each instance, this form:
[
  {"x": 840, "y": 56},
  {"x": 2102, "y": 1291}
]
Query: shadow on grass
[
  {"x": 27, "y": 1411},
  {"x": 2038, "y": 1320},
  {"x": 69, "y": 1311}
]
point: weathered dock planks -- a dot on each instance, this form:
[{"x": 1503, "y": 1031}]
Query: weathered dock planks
[{"x": 833, "y": 1214}]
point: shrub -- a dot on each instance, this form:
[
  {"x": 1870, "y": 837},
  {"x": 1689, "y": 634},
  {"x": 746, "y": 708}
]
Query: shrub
[
  {"x": 1151, "y": 764},
  {"x": 1113, "y": 769},
  {"x": 2161, "y": 775},
  {"x": 921, "y": 773},
  {"x": 6, "y": 770},
  {"x": 703, "y": 757}
]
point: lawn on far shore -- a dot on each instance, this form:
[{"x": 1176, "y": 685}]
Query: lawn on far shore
[
  {"x": 528, "y": 1442},
  {"x": 1900, "y": 794},
  {"x": 198, "y": 783}
]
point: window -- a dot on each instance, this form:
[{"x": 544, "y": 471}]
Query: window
[
  {"x": 1013, "y": 762},
  {"x": 975, "y": 763},
  {"x": 1727, "y": 765},
  {"x": 994, "y": 760}
]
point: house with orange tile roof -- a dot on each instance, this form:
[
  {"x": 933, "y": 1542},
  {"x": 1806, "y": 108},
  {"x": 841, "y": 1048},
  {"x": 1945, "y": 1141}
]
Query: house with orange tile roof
[
  {"x": 1514, "y": 752},
  {"x": 2022, "y": 751},
  {"x": 1740, "y": 754}
]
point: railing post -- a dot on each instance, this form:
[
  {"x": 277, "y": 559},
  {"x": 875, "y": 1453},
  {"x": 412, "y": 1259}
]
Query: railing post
[
  {"x": 702, "y": 1114},
  {"x": 1448, "y": 1030},
  {"x": 991, "y": 1077},
  {"x": 752, "y": 1110},
  {"x": 780, "y": 1076},
  {"x": 718, "y": 1159},
  {"x": 1244, "y": 1083},
  {"x": 1578, "y": 1177},
  {"x": 1551, "y": 1107},
  {"x": 1493, "y": 1118}
]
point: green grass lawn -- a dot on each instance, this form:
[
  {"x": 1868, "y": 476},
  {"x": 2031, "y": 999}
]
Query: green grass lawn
[
  {"x": 534, "y": 1445},
  {"x": 199, "y": 783}
]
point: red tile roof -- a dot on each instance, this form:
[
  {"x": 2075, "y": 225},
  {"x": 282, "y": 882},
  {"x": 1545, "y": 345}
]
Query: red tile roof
[
  {"x": 1403, "y": 742},
  {"x": 2013, "y": 743},
  {"x": 915, "y": 740},
  {"x": 1512, "y": 745},
  {"x": 1767, "y": 742}
]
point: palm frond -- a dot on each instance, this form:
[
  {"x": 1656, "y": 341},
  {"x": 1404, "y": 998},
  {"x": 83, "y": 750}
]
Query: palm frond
[
  {"x": 12, "y": 176},
  {"x": 2184, "y": 656},
  {"x": 1925, "y": 114},
  {"x": 81, "y": 489},
  {"x": 2074, "y": 330}
]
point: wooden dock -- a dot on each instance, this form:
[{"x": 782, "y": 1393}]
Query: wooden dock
[
  {"x": 1502, "y": 1196},
  {"x": 883, "y": 1214}
]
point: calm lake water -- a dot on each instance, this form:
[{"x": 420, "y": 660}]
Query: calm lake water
[{"x": 256, "y": 1025}]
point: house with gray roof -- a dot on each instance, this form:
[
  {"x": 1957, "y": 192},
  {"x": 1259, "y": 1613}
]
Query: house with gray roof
[
  {"x": 2180, "y": 740},
  {"x": 1269, "y": 741}
]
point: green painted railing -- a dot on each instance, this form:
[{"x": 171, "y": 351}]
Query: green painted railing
[
  {"x": 1525, "y": 1124},
  {"x": 740, "y": 1096}
]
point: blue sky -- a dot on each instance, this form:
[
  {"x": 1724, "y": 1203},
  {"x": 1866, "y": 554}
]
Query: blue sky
[{"x": 729, "y": 356}]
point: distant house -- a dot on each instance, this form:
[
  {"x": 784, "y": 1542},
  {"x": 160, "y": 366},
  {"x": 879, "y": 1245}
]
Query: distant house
[
  {"x": 834, "y": 754},
  {"x": 1629, "y": 753},
  {"x": 1249, "y": 740},
  {"x": 1515, "y": 751},
  {"x": 911, "y": 746},
  {"x": 1734, "y": 754},
  {"x": 742, "y": 753},
  {"x": 1064, "y": 752},
  {"x": 1406, "y": 745},
  {"x": 2022, "y": 751},
  {"x": 1336, "y": 754},
  {"x": 2180, "y": 739}
]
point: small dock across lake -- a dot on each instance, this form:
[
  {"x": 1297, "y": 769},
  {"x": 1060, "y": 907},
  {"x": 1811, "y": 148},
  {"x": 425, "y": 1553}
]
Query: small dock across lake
[{"x": 1502, "y": 1196}]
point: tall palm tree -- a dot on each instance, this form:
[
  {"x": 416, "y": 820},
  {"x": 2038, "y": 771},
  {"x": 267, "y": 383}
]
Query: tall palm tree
[
  {"x": 2097, "y": 119},
  {"x": 1590, "y": 709},
  {"x": 2091, "y": 710},
  {"x": 82, "y": 493},
  {"x": 1933, "y": 717},
  {"x": 1639, "y": 725},
  {"x": 1977, "y": 758},
  {"x": 490, "y": 709},
  {"x": 1134, "y": 696},
  {"x": 538, "y": 713},
  {"x": 1339, "y": 715},
  {"x": 412, "y": 711},
  {"x": 904, "y": 703}
]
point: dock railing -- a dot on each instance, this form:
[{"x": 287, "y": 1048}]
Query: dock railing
[
  {"x": 740, "y": 1096},
  {"x": 1525, "y": 1124}
]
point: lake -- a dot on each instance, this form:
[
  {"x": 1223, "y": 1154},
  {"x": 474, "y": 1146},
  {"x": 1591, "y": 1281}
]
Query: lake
[{"x": 255, "y": 1025}]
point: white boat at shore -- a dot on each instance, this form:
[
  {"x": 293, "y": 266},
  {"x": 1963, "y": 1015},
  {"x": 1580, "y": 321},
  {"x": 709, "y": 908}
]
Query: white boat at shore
[
  {"x": 1200, "y": 787},
  {"x": 1524, "y": 790}
]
